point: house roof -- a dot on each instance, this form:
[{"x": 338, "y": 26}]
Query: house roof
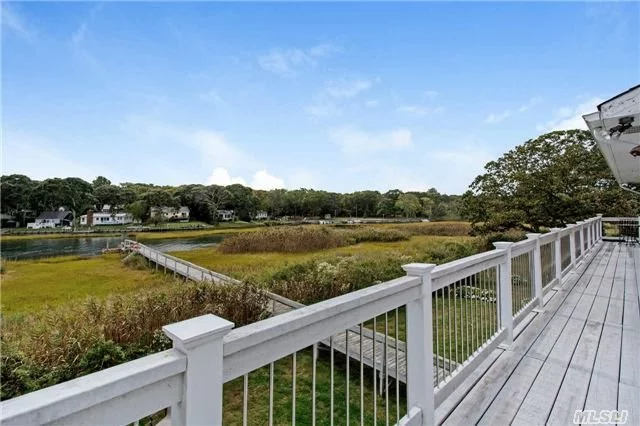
[
  {"x": 54, "y": 215},
  {"x": 616, "y": 129}
]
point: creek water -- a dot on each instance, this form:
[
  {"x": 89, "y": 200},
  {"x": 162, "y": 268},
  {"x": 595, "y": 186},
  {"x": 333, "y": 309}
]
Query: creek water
[{"x": 84, "y": 246}]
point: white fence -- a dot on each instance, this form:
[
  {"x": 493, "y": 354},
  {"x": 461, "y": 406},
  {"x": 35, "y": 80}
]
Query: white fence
[
  {"x": 625, "y": 229},
  {"x": 449, "y": 316}
]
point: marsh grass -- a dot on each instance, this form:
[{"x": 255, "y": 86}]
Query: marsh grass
[
  {"x": 34, "y": 285},
  {"x": 52, "y": 346},
  {"x": 450, "y": 229}
]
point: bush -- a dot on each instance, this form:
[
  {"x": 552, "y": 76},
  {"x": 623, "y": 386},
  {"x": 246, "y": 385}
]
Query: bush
[
  {"x": 136, "y": 262},
  {"x": 444, "y": 229},
  {"x": 317, "y": 280},
  {"x": 513, "y": 235},
  {"x": 296, "y": 239},
  {"x": 291, "y": 240},
  {"x": 51, "y": 347}
]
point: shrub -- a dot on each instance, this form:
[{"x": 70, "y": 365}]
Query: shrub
[
  {"x": 513, "y": 235},
  {"x": 371, "y": 234},
  {"x": 50, "y": 347},
  {"x": 444, "y": 229},
  {"x": 316, "y": 280},
  {"x": 135, "y": 261},
  {"x": 293, "y": 239},
  {"x": 297, "y": 239}
]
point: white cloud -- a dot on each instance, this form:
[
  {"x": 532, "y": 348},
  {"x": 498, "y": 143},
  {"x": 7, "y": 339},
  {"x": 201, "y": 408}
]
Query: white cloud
[
  {"x": 285, "y": 62},
  {"x": 372, "y": 103},
  {"x": 78, "y": 35},
  {"x": 498, "y": 117},
  {"x": 353, "y": 141},
  {"x": 568, "y": 118},
  {"x": 324, "y": 49},
  {"x": 213, "y": 97},
  {"x": 221, "y": 176},
  {"x": 530, "y": 103},
  {"x": 263, "y": 180},
  {"x": 16, "y": 23},
  {"x": 419, "y": 110},
  {"x": 323, "y": 109},
  {"x": 344, "y": 89},
  {"x": 501, "y": 116},
  {"x": 325, "y": 102}
]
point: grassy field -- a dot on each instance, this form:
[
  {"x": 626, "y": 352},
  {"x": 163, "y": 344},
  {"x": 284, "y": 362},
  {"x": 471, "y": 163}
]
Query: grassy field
[{"x": 31, "y": 285}]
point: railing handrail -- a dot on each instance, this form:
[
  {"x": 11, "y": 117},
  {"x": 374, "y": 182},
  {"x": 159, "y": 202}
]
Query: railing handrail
[
  {"x": 298, "y": 329},
  {"x": 65, "y": 399},
  {"x": 449, "y": 272}
]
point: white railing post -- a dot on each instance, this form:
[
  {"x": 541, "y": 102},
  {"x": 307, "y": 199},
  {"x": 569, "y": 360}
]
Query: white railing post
[
  {"x": 537, "y": 269},
  {"x": 420, "y": 346},
  {"x": 572, "y": 243},
  {"x": 599, "y": 226},
  {"x": 580, "y": 243},
  {"x": 504, "y": 284},
  {"x": 589, "y": 233},
  {"x": 200, "y": 339},
  {"x": 557, "y": 247}
]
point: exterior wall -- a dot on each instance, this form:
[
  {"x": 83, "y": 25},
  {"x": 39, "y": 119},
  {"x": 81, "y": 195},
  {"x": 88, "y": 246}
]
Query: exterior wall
[{"x": 107, "y": 219}]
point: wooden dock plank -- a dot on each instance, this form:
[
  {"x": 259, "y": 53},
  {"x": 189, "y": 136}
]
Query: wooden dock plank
[
  {"x": 506, "y": 404},
  {"x": 629, "y": 400}
]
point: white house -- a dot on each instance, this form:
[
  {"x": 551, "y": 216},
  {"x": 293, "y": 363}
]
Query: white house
[
  {"x": 262, "y": 215},
  {"x": 225, "y": 215},
  {"x": 52, "y": 219},
  {"x": 171, "y": 213},
  {"x": 105, "y": 218}
]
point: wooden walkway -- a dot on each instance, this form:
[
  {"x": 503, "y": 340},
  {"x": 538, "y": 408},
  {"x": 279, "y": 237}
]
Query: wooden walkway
[
  {"x": 387, "y": 355},
  {"x": 581, "y": 353}
]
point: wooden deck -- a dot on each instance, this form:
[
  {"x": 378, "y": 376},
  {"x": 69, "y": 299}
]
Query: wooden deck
[{"x": 581, "y": 353}]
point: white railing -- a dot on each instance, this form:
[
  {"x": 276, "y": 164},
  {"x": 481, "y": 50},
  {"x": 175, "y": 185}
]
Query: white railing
[
  {"x": 446, "y": 318},
  {"x": 624, "y": 229}
]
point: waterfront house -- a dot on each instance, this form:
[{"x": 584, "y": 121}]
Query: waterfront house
[
  {"x": 225, "y": 215},
  {"x": 105, "y": 218},
  {"x": 262, "y": 215},
  {"x": 52, "y": 219},
  {"x": 180, "y": 214}
]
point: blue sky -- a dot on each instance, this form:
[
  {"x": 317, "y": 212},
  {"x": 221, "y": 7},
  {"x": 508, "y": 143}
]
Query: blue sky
[{"x": 335, "y": 96}]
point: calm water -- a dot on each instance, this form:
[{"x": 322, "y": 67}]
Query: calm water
[{"x": 38, "y": 248}]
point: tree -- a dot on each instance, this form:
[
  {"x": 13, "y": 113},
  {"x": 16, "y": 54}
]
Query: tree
[
  {"x": 15, "y": 192},
  {"x": 100, "y": 181},
  {"x": 108, "y": 194},
  {"x": 213, "y": 196},
  {"x": 555, "y": 179},
  {"x": 409, "y": 204},
  {"x": 77, "y": 195}
]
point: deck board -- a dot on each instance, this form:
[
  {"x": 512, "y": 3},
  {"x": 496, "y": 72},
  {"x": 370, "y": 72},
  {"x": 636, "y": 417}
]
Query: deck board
[{"x": 581, "y": 353}]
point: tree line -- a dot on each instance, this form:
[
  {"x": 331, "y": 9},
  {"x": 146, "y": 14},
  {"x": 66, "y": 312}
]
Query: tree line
[{"x": 20, "y": 194}]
